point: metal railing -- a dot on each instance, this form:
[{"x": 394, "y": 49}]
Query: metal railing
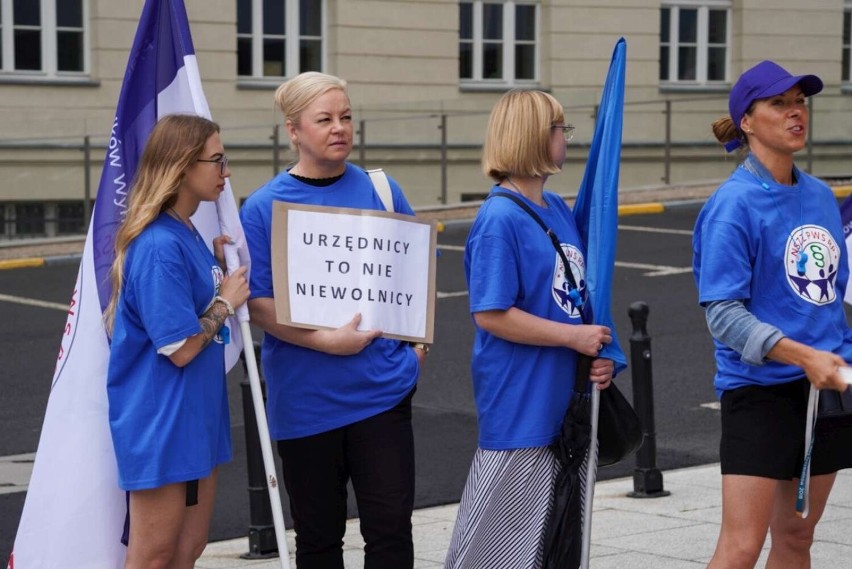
[{"x": 438, "y": 142}]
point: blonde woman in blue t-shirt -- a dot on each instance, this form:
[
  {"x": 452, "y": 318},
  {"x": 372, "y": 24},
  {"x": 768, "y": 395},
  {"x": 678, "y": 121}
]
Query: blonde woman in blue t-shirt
[
  {"x": 528, "y": 337},
  {"x": 168, "y": 405}
]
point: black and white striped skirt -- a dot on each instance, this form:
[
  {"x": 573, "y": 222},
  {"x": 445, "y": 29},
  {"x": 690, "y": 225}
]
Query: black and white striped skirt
[{"x": 504, "y": 510}]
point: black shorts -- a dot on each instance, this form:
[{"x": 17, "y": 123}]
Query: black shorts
[{"x": 763, "y": 433}]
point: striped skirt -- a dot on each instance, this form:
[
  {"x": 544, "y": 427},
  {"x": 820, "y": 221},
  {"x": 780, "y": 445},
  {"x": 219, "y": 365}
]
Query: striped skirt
[{"x": 504, "y": 510}]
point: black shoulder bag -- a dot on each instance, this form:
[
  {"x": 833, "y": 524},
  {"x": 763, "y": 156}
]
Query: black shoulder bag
[{"x": 619, "y": 428}]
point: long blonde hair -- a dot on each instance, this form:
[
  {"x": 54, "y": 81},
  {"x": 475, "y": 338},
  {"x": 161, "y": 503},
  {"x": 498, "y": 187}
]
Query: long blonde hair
[
  {"x": 517, "y": 140},
  {"x": 173, "y": 146}
]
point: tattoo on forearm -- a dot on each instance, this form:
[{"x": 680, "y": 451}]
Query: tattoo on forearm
[{"x": 211, "y": 321}]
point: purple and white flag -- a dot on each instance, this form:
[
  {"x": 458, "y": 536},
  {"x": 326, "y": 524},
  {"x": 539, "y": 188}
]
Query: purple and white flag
[
  {"x": 846, "y": 219},
  {"x": 74, "y": 512}
]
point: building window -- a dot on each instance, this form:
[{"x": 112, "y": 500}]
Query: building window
[
  {"x": 694, "y": 43},
  {"x": 29, "y": 219},
  {"x": 847, "y": 34},
  {"x": 279, "y": 38},
  {"x": 45, "y": 38},
  {"x": 498, "y": 42},
  {"x": 69, "y": 218}
]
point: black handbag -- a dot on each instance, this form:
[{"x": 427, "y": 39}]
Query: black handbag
[
  {"x": 619, "y": 428},
  {"x": 833, "y": 404}
]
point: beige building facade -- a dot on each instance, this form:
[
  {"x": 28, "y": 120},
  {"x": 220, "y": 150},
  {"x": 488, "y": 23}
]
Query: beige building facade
[{"x": 423, "y": 75}]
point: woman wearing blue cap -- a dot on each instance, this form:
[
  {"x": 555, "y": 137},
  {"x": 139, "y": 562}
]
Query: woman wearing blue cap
[{"x": 771, "y": 268}]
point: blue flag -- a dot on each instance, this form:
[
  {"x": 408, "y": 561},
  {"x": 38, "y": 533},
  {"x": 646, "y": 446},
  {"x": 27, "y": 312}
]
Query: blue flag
[
  {"x": 74, "y": 512},
  {"x": 596, "y": 208}
]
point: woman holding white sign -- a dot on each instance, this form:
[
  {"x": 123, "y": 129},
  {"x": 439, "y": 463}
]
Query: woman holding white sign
[
  {"x": 339, "y": 401},
  {"x": 528, "y": 336}
]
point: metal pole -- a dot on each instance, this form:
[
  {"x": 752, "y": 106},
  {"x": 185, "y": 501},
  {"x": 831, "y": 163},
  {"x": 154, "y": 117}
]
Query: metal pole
[
  {"x": 232, "y": 261},
  {"x": 276, "y": 149},
  {"x": 261, "y": 532},
  {"x": 443, "y": 128},
  {"x": 667, "y": 159},
  {"x": 362, "y": 143},
  {"x": 647, "y": 478},
  {"x": 87, "y": 181}
]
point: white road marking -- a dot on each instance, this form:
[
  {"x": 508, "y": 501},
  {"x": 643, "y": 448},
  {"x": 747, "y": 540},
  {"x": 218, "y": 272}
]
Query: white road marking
[
  {"x": 33, "y": 302},
  {"x": 451, "y": 247},
  {"x": 15, "y": 472},
  {"x": 654, "y": 270},
  {"x": 452, "y": 294},
  {"x": 715, "y": 405},
  {"x": 655, "y": 230}
]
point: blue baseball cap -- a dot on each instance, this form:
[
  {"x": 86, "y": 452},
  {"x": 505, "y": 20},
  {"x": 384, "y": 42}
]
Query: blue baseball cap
[{"x": 766, "y": 79}]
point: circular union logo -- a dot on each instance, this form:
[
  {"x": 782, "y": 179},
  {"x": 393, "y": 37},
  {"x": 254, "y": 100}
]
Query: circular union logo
[
  {"x": 811, "y": 258},
  {"x": 560, "y": 286}
]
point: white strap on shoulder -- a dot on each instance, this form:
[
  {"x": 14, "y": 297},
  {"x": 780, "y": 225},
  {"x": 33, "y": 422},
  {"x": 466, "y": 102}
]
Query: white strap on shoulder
[{"x": 382, "y": 186}]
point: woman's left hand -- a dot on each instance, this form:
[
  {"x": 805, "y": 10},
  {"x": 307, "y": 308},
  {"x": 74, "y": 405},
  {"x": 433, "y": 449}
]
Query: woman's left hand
[{"x": 601, "y": 372}]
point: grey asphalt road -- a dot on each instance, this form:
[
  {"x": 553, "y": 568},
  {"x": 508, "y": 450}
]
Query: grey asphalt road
[{"x": 653, "y": 260}]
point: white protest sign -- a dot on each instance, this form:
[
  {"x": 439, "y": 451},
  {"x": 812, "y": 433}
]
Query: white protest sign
[{"x": 330, "y": 263}]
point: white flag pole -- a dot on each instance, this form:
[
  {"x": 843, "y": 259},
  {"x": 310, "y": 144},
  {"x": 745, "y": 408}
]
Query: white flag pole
[
  {"x": 591, "y": 478},
  {"x": 232, "y": 261}
]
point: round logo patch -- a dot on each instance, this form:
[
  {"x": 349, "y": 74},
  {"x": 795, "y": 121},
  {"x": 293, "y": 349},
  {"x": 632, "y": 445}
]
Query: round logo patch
[
  {"x": 560, "y": 286},
  {"x": 811, "y": 259}
]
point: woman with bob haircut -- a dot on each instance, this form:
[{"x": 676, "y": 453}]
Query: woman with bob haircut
[
  {"x": 527, "y": 340},
  {"x": 771, "y": 268},
  {"x": 168, "y": 403},
  {"x": 339, "y": 401}
]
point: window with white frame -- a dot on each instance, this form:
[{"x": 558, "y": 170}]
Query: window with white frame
[
  {"x": 43, "y": 38},
  {"x": 498, "y": 42},
  {"x": 845, "y": 74},
  {"x": 279, "y": 38},
  {"x": 695, "y": 42}
]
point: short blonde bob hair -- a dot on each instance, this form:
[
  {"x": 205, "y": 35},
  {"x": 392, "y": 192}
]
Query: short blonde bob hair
[
  {"x": 294, "y": 96},
  {"x": 518, "y": 138}
]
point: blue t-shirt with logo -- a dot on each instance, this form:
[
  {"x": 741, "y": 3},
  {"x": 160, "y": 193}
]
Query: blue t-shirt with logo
[
  {"x": 169, "y": 424},
  {"x": 780, "y": 249},
  {"x": 521, "y": 391},
  {"x": 310, "y": 392}
]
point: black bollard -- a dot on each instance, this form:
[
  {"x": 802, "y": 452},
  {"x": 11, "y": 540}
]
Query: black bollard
[
  {"x": 261, "y": 533},
  {"x": 647, "y": 478}
]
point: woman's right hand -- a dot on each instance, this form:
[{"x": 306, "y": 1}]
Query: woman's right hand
[
  {"x": 589, "y": 339},
  {"x": 348, "y": 340},
  {"x": 822, "y": 369},
  {"x": 235, "y": 288}
]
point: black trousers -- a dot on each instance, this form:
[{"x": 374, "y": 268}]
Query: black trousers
[{"x": 377, "y": 454}]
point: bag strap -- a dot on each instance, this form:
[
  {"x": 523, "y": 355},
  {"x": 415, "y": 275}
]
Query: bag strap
[
  {"x": 573, "y": 291},
  {"x": 382, "y": 186},
  {"x": 584, "y": 363}
]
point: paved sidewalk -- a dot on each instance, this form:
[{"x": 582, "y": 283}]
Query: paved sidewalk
[{"x": 675, "y": 532}]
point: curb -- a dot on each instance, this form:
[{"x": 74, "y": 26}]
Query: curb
[{"x": 31, "y": 262}]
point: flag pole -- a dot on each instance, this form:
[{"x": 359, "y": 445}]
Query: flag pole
[
  {"x": 232, "y": 261},
  {"x": 591, "y": 478}
]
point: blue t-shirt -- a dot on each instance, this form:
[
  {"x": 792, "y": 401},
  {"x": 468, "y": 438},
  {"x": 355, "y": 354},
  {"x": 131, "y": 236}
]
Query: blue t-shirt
[
  {"x": 521, "y": 391},
  {"x": 169, "y": 424},
  {"x": 779, "y": 249},
  {"x": 308, "y": 391}
]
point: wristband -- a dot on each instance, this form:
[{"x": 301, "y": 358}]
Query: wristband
[
  {"x": 422, "y": 347},
  {"x": 226, "y": 303}
]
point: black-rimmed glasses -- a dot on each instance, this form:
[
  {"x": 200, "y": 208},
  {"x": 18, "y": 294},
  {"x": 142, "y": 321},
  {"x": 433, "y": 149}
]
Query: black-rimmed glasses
[
  {"x": 222, "y": 162},
  {"x": 567, "y": 131}
]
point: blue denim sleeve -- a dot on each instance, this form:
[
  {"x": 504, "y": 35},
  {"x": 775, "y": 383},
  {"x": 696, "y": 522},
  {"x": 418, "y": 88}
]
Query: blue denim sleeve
[{"x": 732, "y": 324}]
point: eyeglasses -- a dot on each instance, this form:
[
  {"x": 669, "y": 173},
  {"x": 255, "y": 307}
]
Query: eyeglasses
[
  {"x": 222, "y": 162},
  {"x": 567, "y": 131}
]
